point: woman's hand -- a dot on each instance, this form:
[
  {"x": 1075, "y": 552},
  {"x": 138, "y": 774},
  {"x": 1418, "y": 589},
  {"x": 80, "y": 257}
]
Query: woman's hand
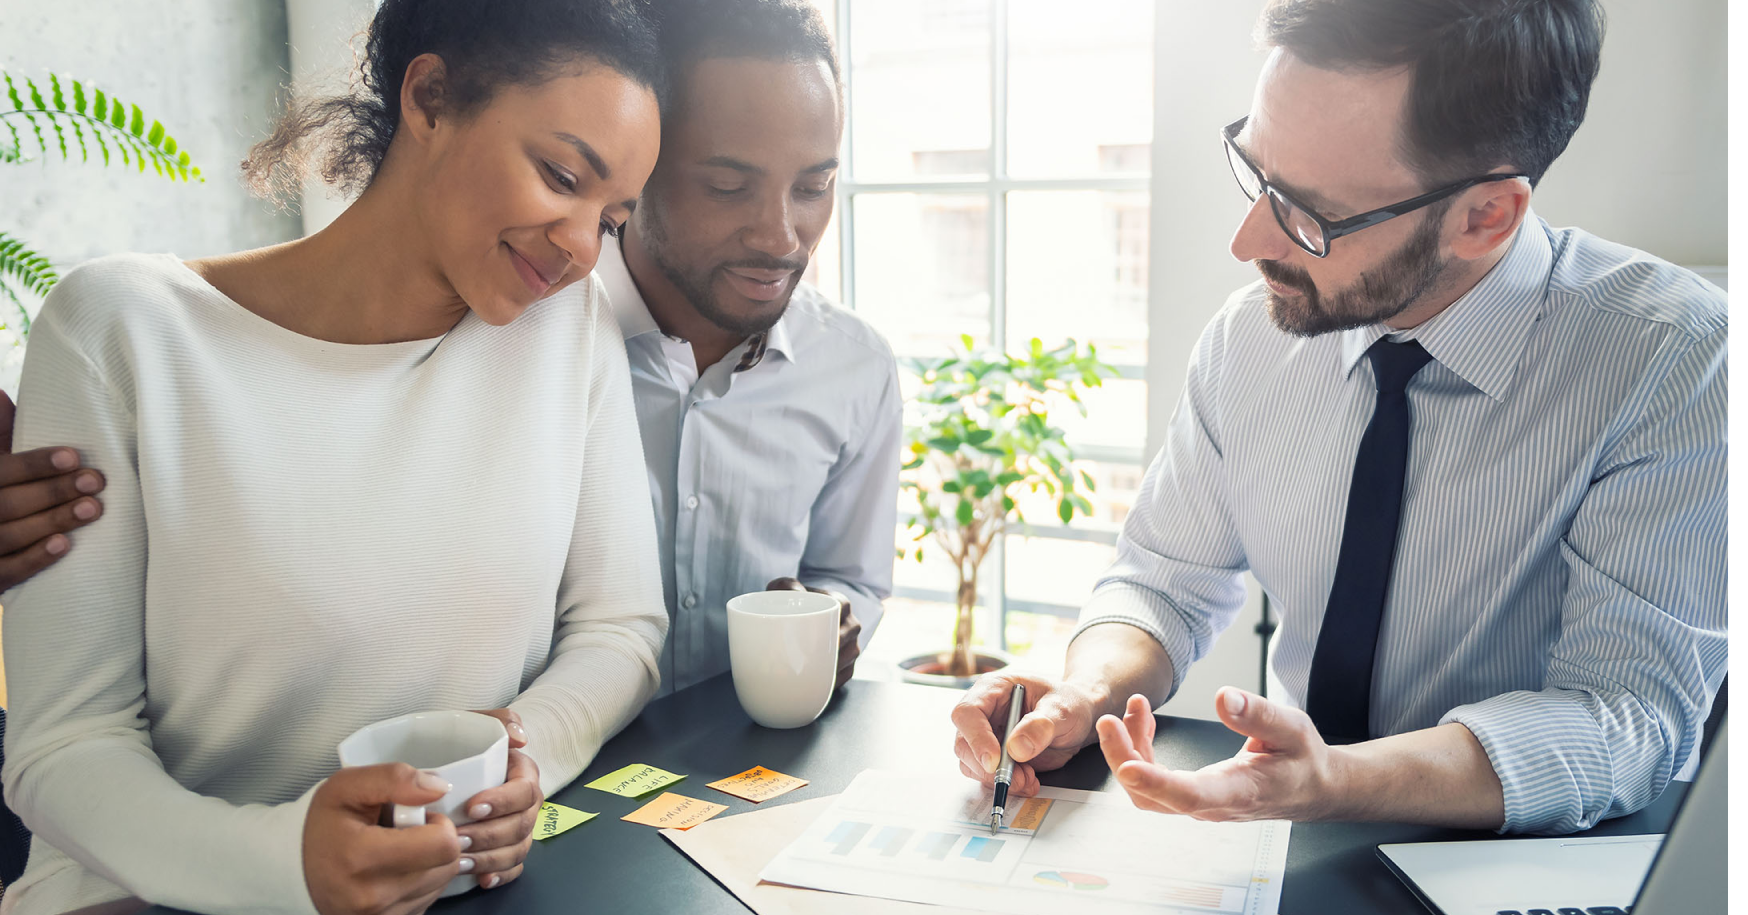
[
  {"x": 499, "y": 840},
  {"x": 353, "y": 866}
]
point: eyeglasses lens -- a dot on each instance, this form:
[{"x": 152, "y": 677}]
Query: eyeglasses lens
[
  {"x": 1298, "y": 223},
  {"x": 1247, "y": 179}
]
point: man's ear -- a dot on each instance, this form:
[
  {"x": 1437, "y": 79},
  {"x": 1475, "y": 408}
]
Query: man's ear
[
  {"x": 422, "y": 95},
  {"x": 1486, "y": 216}
]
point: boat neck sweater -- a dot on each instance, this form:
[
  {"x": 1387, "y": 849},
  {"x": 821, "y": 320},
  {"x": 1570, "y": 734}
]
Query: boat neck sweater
[{"x": 301, "y": 538}]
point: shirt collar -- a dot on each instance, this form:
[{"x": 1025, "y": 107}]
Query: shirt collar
[
  {"x": 1481, "y": 336},
  {"x": 635, "y": 320}
]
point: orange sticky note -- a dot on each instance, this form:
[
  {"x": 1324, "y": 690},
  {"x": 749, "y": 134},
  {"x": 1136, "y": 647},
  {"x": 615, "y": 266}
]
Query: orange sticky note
[
  {"x": 1032, "y": 813},
  {"x": 758, "y": 784},
  {"x": 674, "y": 811}
]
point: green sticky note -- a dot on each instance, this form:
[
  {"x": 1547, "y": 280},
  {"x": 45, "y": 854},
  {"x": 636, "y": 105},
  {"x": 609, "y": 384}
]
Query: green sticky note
[
  {"x": 556, "y": 818},
  {"x": 635, "y": 780}
]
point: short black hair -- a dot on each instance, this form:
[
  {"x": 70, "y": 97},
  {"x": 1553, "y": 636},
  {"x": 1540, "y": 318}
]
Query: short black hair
[
  {"x": 696, "y": 30},
  {"x": 485, "y": 45},
  {"x": 1493, "y": 82}
]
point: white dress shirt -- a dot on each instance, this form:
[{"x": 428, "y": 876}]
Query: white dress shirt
[
  {"x": 1560, "y": 575},
  {"x": 788, "y": 467}
]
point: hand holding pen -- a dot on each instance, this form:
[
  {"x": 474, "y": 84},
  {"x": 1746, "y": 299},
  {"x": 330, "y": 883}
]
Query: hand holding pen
[{"x": 1004, "y": 772}]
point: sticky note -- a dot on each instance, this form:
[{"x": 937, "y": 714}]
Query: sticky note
[
  {"x": 635, "y": 780},
  {"x": 556, "y": 818},
  {"x": 674, "y": 811},
  {"x": 1031, "y": 814},
  {"x": 758, "y": 784}
]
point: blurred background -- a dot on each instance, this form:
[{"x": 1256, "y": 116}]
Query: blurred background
[{"x": 1013, "y": 169}]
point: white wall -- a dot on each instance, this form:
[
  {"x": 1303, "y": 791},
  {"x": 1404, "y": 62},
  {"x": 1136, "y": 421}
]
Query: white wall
[
  {"x": 327, "y": 40},
  {"x": 1647, "y": 169},
  {"x": 208, "y": 69}
]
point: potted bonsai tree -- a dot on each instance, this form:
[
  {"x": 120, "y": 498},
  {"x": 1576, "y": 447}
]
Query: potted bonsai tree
[{"x": 983, "y": 438}]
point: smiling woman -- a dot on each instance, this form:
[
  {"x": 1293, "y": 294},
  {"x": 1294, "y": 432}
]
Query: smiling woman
[{"x": 312, "y": 515}]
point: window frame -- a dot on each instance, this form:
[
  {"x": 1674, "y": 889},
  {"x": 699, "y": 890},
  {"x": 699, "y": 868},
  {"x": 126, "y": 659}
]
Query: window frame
[{"x": 995, "y": 188}]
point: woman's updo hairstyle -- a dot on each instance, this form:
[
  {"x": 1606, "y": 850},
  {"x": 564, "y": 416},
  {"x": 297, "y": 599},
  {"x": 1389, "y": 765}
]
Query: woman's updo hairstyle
[{"x": 485, "y": 45}]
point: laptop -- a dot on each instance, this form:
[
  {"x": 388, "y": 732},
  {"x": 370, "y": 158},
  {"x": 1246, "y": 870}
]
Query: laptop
[{"x": 1593, "y": 875}]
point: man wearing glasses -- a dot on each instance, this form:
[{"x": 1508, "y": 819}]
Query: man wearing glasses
[{"x": 1477, "y": 462}]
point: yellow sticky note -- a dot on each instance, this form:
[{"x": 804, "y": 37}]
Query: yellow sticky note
[
  {"x": 674, "y": 811},
  {"x": 758, "y": 784},
  {"x": 556, "y": 818},
  {"x": 635, "y": 780}
]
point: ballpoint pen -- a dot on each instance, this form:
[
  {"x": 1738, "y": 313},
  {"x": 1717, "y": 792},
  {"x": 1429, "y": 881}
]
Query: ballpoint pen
[{"x": 1004, "y": 773}]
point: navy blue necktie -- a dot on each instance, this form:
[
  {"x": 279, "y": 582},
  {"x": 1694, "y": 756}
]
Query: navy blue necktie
[{"x": 1339, "y": 697}]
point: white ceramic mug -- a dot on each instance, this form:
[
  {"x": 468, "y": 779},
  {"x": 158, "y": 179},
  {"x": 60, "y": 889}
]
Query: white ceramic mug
[
  {"x": 783, "y": 649},
  {"x": 468, "y": 750}
]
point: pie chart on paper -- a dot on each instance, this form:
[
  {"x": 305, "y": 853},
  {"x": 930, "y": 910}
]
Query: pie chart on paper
[{"x": 1071, "y": 880}]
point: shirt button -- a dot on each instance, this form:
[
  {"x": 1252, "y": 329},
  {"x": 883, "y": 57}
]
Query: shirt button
[
  {"x": 690, "y": 601},
  {"x": 691, "y": 501}
]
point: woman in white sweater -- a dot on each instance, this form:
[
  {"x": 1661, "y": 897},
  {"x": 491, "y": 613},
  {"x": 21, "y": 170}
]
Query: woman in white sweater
[{"x": 390, "y": 467}]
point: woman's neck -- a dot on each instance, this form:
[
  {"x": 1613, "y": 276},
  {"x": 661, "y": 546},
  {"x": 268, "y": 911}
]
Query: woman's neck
[{"x": 366, "y": 278}]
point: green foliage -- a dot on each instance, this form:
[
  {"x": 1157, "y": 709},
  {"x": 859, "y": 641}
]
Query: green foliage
[
  {"x": 63, "y": 116},
  {"x": 985, "y": 437}
]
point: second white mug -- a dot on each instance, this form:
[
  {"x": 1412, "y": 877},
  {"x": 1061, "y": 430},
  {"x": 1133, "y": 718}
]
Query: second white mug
[{"x": 783, "y": 649}]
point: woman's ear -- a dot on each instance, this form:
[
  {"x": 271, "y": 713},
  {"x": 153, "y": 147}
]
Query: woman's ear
[
  {"x": 422, "y": 95},
  {"x": 1487, "y": 215}
]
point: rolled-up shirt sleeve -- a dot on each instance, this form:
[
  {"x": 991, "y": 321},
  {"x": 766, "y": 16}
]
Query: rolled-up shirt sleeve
[
  {"x": 1642, "y": 643},
  {"x": 1179, "y": 560}
]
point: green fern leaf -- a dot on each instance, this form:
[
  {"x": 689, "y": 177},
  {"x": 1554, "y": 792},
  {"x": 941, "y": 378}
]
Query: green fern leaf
[
  {"x": 78, "y": 96},
  {"x": 100, "y": 107},
  {"x": 168, "y": 146},
  {"x": 12, "y": 91},
  {"x": 25, "y": 268},
  {"x": 79, "y": 134},
  {"x": 101, "y": 144},
  {"x": 156, "y": 134},
  {"x": 117, "y": 116},
  {"x": 137, "y": 125},
  {"x": 56, "y": 94},
  {"x": 18, "y": 304},
  {"x": 35, "y": 95}
]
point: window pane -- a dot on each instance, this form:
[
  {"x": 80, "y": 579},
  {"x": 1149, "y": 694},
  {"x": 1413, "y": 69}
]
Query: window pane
[
  {"x": 919, "y": 89},
  {"x": 1077, "y": 267},
  {"x": 1063, "y": 125},
  {"x": 922, "y": 268},
  {"x": 1115, "y": 486},
  {"x": 1053, "y": 571},
  {"x": 828, "y": 10},
  {"x": 1116, "y": 416}
]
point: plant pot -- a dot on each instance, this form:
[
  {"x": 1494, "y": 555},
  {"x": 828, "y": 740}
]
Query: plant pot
[{"x": 926, "y": 668}]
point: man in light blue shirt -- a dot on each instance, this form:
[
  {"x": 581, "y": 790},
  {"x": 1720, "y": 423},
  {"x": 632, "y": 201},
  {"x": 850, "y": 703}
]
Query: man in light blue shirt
[
  {"x": 1478, "y": 463},
  {"x": 771, "y": 418}
]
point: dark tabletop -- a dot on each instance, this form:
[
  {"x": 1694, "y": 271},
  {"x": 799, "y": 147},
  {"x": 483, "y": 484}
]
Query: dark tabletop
[{"x": 607, "y": 865}]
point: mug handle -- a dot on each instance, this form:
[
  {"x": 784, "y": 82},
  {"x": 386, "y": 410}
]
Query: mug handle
[{"x": 400, "y": 816}]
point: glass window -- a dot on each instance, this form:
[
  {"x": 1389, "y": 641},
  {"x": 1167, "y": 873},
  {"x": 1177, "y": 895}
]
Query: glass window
[
  {"x": 920, "y": 107},
  {"x": 922, "y": 268},
  {"x": 1080, "y": 85}
]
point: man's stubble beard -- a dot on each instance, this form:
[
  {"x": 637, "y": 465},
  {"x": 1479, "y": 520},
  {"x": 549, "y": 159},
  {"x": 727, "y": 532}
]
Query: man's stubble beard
[
  {"x": 699, "y": 290},
  {"x": 1382, "y": 293}
]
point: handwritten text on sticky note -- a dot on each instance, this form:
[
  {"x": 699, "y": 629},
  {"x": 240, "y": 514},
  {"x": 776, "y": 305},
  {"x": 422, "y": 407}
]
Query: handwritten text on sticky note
[
  {"x": 758, "y": 784},
  {"x": 674, "y": 811},
  {"x": 635, "y": 780},
  {"x": 556, "y": 818}
]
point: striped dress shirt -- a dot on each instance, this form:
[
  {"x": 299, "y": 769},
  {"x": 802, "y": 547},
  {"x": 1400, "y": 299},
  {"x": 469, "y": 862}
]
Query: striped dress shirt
[{"x": 1560, "y": 575}]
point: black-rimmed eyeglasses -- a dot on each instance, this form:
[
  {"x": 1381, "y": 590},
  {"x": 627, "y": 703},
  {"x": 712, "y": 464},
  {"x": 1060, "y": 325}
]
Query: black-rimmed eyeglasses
[{"x": 1305, "y": 226}]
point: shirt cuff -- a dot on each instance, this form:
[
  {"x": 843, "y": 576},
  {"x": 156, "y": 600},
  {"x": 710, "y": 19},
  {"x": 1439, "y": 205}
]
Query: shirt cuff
[
  {"x": 1148, "y": 611},
  {"x": 282, "y": 832},
  {"x": 1551, "y": 757}
]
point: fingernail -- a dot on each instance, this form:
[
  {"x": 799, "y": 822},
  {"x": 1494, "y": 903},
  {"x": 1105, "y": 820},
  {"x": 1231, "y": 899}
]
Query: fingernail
[
  {"x": 467, "y": 865},
  {"x": 1020, "y": 746},
  {"x": 990, "y": 762},
  {"x": 517, "y": 732},
  {"x": 56, "y": 545},
  {"x": 480, "y": 811},
  {"x": 431, "y": 781},
  {"x": 1235, "y": 702},
  {"x": 64, "y": 460},
  {"x": 492, "y": 881},
  {"x": 84, "y": 511},
  {"x": 466, "y": 843},
  {"x": 86, "y": 483}
]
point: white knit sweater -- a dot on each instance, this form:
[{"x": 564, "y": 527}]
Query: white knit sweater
[{"x": 301, "y": 538}]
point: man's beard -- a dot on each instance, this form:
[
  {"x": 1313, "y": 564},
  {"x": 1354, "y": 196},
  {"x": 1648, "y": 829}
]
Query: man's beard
[
  {"x": 1378, "y": 295},
  {"x": 698, "y": 285}
]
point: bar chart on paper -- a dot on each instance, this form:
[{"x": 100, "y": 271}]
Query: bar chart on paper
[{"x": 926, "y": 839}]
